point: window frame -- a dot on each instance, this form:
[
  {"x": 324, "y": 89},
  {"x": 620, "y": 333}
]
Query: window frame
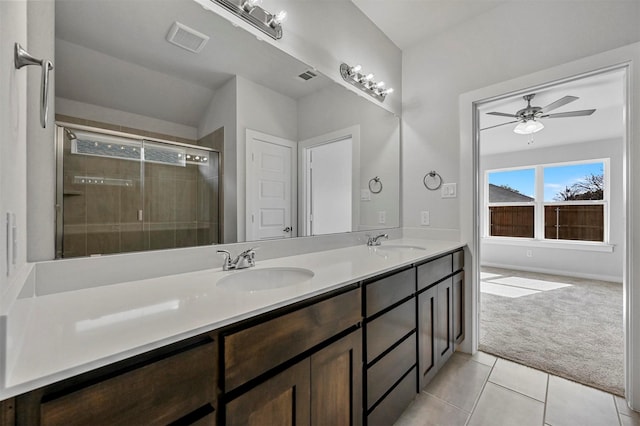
[{"x": 539, "y": 205}]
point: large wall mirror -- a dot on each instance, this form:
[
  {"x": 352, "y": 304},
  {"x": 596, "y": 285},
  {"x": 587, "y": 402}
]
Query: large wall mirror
[{"x": 176, "y": 129}]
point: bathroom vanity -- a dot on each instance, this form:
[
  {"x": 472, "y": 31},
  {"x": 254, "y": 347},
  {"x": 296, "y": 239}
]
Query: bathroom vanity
[{"x": 352, "y": 345}]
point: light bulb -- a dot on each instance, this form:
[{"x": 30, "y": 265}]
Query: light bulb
[
  {"x": 278, "y": 18},
  {"x": 368, "y": 77},
  {"x": 249, "y": 5},
  {"x": 528, "y": 127},
  {"x": 380, "y": 84},
  {"x": 355, "y": 69},
  {"x": 388, "y": 91}
]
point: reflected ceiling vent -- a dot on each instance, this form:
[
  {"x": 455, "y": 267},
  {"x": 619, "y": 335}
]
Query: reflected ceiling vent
[
  {"x": 187, "y": 38},
  {"x": 308, "y": 75}
]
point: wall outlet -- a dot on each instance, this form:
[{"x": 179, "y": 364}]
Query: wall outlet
[
  {"x": 449, "y": 190},
  {"x": 382, "y": 217},
  {"x": 529, "y": 253},
  {"x": 424, "y": 218}
]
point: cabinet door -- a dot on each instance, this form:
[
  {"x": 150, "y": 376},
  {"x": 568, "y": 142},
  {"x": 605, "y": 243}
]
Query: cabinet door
[
  {"x": 336, "y": 382},
  {"x": 458, "y": 307},
  {"x": 282, "y": 400},
  {"x": 444, "y": 321},
  {"x": 427, "y": 302}
]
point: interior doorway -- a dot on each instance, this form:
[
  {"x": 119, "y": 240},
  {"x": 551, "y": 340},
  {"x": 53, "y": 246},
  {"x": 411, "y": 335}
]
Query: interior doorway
[
  {"x": 271, "y": 194},
  {"x": 553, "y": 238},
  {"x": 328, "y": 190}
]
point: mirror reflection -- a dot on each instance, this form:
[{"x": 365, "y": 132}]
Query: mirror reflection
[{"x": 177, "y": 129}]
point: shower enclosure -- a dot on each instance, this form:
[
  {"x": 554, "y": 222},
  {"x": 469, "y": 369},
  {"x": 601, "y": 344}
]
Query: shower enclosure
[{"x": 121, "y": 193}]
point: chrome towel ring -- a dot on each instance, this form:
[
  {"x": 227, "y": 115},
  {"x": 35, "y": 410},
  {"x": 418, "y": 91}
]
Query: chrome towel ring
[
  {"x": 434, "y": 182},
  {"x": 375, "y": 182}
]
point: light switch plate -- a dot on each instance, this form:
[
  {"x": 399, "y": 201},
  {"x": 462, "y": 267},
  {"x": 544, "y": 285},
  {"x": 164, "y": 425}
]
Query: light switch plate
[
  {"x": 382, "y": 217},
  {"x": 449, "y": 190},
  {"x": 424, "y": 218},
  {"x": 365, "y": 195}
]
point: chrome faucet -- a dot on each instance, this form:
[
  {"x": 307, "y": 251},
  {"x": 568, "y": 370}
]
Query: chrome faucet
[
  {"x": 374, "y": 241},
  {"x": 244, "y": 260}
]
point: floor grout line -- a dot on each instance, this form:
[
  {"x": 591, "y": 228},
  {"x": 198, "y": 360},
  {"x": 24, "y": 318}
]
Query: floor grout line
[
  {"x": 475, "y": 403},
  {"x": 546, "y": 400},
  {"x": 446, "y": 402},
  {"x": 518, "y": 392}
]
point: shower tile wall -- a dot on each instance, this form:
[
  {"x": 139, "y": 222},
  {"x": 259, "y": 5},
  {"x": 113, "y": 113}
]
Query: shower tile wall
[{"x": 180, "y": 205}]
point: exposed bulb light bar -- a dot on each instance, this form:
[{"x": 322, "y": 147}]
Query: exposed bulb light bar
[
  {"x": 528, "y": 127},
  {"x": 251, "y": 12},
  {"x": 364, "y": 82}
]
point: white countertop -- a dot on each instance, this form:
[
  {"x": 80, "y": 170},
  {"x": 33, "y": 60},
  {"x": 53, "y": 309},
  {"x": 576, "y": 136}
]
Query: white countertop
[{"x": 76, "y": 331}]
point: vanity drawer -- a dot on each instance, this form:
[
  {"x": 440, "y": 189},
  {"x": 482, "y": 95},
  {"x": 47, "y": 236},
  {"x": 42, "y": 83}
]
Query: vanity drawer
[
  {"x": 257, "y": 349},
  {"x": 395, "y": 403},
  {"x": 433, "y": 271},
  {"x": 387, "y": 329},
  {"x": 458, "y": 260},
  {"x": 157, "y": 393},
  {"x": 387, "y": 291},
  {"x": 387, "y": 371}
]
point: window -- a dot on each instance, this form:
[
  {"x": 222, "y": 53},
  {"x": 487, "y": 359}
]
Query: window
[
  {"x": 565, "y": 201},
  {"x": 511, "y": 203},
  {"x": 574, "y": 202}
]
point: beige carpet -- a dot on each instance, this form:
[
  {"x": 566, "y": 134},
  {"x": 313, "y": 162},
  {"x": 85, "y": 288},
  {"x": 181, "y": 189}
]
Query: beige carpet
[{"x": 569, "y": 327}]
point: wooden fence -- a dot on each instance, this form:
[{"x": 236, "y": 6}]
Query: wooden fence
[{"x": 562, "y": 222}]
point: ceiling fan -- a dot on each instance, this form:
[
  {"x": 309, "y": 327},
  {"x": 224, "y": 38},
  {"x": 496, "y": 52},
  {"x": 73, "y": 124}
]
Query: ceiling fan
[{"x": 528, "y": 118}]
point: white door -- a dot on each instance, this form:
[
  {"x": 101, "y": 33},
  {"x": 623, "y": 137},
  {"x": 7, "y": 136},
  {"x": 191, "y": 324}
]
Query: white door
[
  {"x": 329, "y": 187},
  {"x": 271, "y": 195}
]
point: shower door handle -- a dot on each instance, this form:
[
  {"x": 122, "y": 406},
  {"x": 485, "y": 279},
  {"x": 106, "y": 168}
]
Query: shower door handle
[{"x": 23, "y": 58}]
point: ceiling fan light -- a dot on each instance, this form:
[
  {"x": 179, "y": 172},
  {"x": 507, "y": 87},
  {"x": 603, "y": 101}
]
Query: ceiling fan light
[{"x": 528, "y": 127}]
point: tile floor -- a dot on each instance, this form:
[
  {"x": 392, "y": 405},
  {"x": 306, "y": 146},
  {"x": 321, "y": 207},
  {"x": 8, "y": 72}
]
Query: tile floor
[{"x": 485, "y": 390}]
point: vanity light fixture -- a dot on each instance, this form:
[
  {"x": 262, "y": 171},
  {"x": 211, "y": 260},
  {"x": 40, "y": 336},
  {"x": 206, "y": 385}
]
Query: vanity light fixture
[
  {"x": 364, "y": 82},
  {"x": 251, "y": 12}
]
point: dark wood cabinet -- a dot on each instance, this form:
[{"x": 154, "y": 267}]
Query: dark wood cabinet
[
  {"x": 390, "y": 352},
  {"x": 441, "y": 313},
  {"x": 427, "y": 359},
  {"x": 162, "y": 388},
  {"x": 444, "y": 321},
  {"x": 336, "y": 382},
  {"x": 458, "y": 307},
  {"x": 269, "y": 384},
  {"x": 284, "y": 399}
]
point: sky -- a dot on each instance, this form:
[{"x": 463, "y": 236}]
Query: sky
[{"x": 555, "y": 178}]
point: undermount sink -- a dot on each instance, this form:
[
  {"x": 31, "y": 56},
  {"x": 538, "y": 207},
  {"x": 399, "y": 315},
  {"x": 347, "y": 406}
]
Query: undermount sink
[
  {"x": 399, "y": 247},
  {"x": 265, "y": 279}
]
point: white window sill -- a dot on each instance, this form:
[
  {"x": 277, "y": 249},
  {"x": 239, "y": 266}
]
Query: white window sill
[{"x": 564, "y": 244}]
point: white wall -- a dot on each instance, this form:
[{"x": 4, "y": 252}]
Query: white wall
[
  {"x": 334, "y": 109},
  {"x": 511, "y": 40},
  {"x": 13, "y": 136},
  {"x": 263, "y": 110},
  {"x": 324, "y": 34},
  {"x": 594, "y": 264},
  {"x": 123, "y": 118},
  {"x": 40, "y": 149},
  {"x": 222, "y": 112}
]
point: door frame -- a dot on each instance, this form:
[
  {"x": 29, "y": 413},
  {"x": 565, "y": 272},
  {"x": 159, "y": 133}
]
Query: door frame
[
  {"x": 352, "y": 132},
  {"x": 251, "y": 135},
  {"x": 623, "y": 58}
]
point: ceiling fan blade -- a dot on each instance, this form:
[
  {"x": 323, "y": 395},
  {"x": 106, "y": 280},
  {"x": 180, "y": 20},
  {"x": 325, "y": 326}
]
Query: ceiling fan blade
[
  {"x": 560, "y": 102},
  {"x": 502, "y": 114},
  {"x": 498, "y": 125},
  {"x": 581, "y": 113}
]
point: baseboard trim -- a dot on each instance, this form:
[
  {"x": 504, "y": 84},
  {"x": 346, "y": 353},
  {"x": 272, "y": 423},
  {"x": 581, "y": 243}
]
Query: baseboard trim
[{"x": 610, "y": 278}]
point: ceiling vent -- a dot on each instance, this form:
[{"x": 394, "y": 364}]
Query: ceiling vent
[
  {"x": 187, "y": 38},
  {"x": 308, "y": 75}
]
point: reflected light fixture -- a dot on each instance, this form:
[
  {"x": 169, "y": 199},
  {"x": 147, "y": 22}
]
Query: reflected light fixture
[
  {"x": 251, "y": 11},
  {"x": 364, "y": 82},
  {"x": 528, "y": 127}
]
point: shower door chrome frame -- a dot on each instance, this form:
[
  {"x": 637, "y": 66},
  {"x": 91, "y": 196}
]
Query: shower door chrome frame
[{"x": 59, "y": 147}]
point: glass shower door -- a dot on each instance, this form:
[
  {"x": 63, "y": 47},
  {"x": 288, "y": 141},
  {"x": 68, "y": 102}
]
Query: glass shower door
[{"x": 101, "y": 194}]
